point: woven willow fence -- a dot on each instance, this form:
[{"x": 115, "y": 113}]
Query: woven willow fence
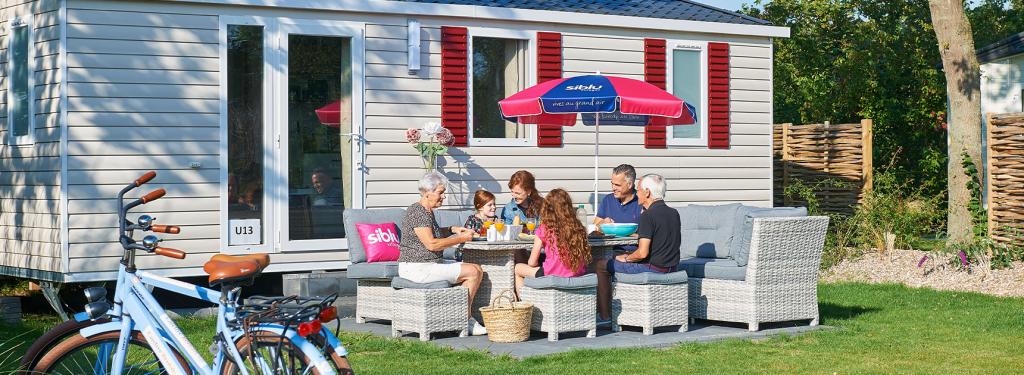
[
  {"x": 1005, "y": 188},
  {"x": 833, "y": 159}
]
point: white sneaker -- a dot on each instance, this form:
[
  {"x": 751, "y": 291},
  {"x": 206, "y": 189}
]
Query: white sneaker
[{"x": 475, "y": 329}]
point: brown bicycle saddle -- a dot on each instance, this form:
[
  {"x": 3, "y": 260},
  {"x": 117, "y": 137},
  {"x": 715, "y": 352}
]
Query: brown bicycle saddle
[{"x": 224, "y": 268}]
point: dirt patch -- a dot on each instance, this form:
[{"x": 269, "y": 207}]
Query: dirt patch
[{"x": 901, "y": 266}]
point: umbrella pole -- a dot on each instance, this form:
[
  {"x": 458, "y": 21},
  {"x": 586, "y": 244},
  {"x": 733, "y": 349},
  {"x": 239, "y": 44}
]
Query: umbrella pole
[{"x": 597, "y": 137}]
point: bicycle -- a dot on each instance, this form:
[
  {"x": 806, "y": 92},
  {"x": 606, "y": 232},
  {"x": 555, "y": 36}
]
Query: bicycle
[{"x": 134, "y": 334}]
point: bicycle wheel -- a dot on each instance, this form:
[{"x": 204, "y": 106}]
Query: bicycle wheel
[
  {"x": 94, "y": 355},
  {"x": 341, "y": 365},
  {"x": 269, "y": 353},
  {"x": 51, "y": 338}
]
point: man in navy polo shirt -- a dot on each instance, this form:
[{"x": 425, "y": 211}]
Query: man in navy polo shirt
[{"x": 621, "y": 206}]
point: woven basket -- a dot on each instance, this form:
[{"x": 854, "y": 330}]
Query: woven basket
[{"x": 507, "y": 320}]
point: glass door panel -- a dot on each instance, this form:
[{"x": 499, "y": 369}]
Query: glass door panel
[{"x": 318, "y": 153}]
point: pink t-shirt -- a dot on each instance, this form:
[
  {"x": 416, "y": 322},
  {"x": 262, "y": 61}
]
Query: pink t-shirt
[{"x": 553, "y": 265}]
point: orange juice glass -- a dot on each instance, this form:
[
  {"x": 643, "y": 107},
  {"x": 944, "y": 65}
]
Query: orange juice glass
[{"x": 500, "y": 226}]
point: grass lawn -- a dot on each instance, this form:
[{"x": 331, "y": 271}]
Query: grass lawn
[{"x": 882, "y": 328}]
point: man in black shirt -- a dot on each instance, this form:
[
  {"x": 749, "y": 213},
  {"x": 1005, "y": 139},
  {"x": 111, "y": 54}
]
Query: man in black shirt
[{"x": 658, "y": 248}]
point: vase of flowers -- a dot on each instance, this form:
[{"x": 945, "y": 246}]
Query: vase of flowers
[{"x": 431, "y": 141}]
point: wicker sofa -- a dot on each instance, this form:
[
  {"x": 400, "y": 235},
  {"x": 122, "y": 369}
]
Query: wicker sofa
[
  {"x": 373, "y": 280},
  {"x": 751, "y": 265}
]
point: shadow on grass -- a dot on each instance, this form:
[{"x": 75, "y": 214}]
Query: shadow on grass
[{"x": 833, "y": 312}]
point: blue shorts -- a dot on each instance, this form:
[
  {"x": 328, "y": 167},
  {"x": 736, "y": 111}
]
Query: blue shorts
[{"x": 615, "y": 266}]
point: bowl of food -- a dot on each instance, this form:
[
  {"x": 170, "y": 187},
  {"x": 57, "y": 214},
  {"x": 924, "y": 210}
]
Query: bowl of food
[{"x": 619, "y": 229}]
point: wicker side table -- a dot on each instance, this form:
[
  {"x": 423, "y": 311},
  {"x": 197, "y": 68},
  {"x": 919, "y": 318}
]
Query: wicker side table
[
  {"x": 649, "y": 300},
  {"x": 561, "y": 308},
  {"x": 428, "y": 308}
]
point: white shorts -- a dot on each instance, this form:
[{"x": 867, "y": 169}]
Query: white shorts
[{"x": 430, "y": 272}]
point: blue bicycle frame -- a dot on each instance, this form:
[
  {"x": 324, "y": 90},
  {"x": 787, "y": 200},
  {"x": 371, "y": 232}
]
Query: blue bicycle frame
[{"x": 135, "y": 309}]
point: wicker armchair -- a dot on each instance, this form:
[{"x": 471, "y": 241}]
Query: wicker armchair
[{"x": 781, "y": 281}]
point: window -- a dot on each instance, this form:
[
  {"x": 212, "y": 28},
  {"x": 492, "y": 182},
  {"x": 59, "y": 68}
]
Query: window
[
  {"x": 245, "y": 82},
  {"x": 499, "y": 67},
  {"x": 19, "y": 90},
  {"x": 689, "y": 82}
]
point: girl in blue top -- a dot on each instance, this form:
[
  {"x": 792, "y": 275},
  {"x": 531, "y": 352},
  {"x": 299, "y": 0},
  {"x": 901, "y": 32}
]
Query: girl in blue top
[{"x": 526, "y": 201}]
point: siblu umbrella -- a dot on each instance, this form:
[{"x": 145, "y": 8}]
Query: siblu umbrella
[{"x": 598, "y": 99}]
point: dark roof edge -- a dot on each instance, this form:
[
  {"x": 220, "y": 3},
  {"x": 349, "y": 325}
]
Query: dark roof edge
[
  {"x": 1009, "y": 46},
  {"x": 738, "y": 14}
]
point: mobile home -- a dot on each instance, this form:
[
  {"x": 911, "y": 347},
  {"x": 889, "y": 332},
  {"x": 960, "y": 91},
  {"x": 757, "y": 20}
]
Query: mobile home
[{"x": 221, "y": 98}]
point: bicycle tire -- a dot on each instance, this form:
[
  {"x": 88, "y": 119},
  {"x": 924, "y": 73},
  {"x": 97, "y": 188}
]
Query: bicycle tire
[
  {"x": 51, "y": 338},
  {"x": 75, "y": 344},
  {"x": 273, "y": 339},
  {"x": 341, "y": 365}
]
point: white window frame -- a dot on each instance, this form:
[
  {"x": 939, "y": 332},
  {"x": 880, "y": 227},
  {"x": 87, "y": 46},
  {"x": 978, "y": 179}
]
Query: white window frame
[
  {"x": 29, "y": 138},
  {"x": 275, "y": 132},
  {"x": 530, "y": 37},
  {"x": 702, "y": 107}
]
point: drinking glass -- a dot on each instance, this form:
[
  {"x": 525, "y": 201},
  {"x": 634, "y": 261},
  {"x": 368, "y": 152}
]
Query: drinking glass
[{"x": 531, "y": 225}]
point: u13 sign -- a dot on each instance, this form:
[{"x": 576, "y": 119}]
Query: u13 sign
[{"x": 244, "y": 232}]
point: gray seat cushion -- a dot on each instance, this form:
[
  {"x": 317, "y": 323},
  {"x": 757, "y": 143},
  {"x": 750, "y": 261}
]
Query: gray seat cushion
[
  {"x": 376, "y": 270},
  {"x": 745, "y": 227},
  {"x": 555, "y": 282},
  {"x": 707, "y": 231},
  {"x": 710, "y": 268},
  {"x": 400, "y": 283},
  {"x": 652, "y": 278},
  {"x": 352, "y": 216}
]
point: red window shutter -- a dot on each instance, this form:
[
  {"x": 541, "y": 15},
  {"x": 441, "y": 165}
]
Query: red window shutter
[
  {"x": 454, "y": 78},
  {"x": 718, "y": 95},
  {"x": 654, "y": 73},
  {"x": 549, "y": 67}
]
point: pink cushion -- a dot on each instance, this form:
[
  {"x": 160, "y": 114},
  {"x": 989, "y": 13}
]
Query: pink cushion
[{"x": 380, "y": 241}]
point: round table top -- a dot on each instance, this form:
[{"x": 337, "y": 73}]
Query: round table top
[{"x": 526, "y": 245}]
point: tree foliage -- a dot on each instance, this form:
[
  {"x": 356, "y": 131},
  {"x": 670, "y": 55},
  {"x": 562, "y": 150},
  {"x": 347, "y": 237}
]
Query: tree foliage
[{"x": 853, "y": 59}]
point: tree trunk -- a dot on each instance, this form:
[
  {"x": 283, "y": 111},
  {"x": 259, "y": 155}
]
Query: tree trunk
[{"x": 953, "y": 31}]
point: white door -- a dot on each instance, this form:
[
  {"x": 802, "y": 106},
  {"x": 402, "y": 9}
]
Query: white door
[{"x": 319, "y": 164}]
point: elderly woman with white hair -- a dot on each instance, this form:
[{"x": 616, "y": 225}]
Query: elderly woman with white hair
[
  {"x": 423, "y": 241},
  {"x": 658, "y": 247}
]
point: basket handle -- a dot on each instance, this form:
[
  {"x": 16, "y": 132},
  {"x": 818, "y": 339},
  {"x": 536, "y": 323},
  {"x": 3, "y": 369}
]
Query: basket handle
[{"x": 506, "y": 297}]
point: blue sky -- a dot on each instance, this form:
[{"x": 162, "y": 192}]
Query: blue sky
[{"x": 733, "y": 5}]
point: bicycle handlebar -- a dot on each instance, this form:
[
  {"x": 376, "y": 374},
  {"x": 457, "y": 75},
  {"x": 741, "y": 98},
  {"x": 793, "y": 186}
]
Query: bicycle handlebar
[
  {"x": 165, "y": 229},
  {"x": 169, "y": 252},
  {"x": 144, "y": 178},
  {"x": 153, "y": 195}
]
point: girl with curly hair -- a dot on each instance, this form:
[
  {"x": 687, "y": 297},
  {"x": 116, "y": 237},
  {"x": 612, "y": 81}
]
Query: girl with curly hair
[{"x": 563, "y": 238}]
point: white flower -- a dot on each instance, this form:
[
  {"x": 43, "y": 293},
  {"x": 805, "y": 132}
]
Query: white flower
[{"x": 431, "y": 128}]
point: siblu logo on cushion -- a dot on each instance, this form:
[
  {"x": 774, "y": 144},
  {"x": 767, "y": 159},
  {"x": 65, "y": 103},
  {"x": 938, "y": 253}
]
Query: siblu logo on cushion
[
  {"x": 590, "y": 87},
  {"x": 387, "y": 237}
]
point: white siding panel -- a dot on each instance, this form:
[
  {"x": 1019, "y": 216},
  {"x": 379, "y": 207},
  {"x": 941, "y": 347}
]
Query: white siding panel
[
  {"x": 147, "y": 48},
  {"x": 108, "y": 17},
  {"x": 141, "y": 90},
  {"x": 147, "y": 33},
  {"x": 93, "y": 119},
  {"x": 107, "y": 61},
  {"x": 141, "y": 76}
]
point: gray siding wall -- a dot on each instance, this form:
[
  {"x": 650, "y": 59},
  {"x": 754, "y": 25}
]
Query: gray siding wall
[
  {"x": 143, "y": 79},
  {"x": 696, "y": 175},
  {"x": 142, "y": 95},
  {"x": 30, "y": 175}
]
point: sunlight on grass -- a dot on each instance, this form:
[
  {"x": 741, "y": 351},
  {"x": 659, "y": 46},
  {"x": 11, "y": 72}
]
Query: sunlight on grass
[{"x": 880, "y": 328}]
